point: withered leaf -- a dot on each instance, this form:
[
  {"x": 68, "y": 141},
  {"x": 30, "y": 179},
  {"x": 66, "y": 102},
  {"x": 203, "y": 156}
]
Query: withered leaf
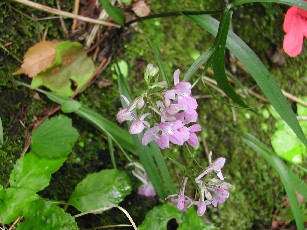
[{"x": 38, "y": 58}]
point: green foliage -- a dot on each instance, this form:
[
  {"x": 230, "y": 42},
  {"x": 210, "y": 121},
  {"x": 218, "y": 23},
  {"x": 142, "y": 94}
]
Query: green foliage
[
  {"x": 13, "y": 202},
  {"x": 72, "y": 68},
  {"x": 104, "y": 189},
  {"x": 115, "y": 13},
  {"x": 41, "y": 214},
  {"x": 33, "y": 172},
  {"x": 158, "y": 217},
  {"x": 284, "y": 141},
  {"x": 54, "y": 138},
  {"x": 1, "y": 132},
  {"x": 289, "y": 180},
  {"x": 257, "y": 70}
]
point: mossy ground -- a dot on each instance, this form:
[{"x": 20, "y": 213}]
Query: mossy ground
[{"x": 258, "y": 189}]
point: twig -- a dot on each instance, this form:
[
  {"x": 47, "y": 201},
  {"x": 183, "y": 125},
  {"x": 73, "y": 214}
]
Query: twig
[
  {"x": 302, "y": 118},
  {"x": 76, "y": 11},
  {"x": 61, "y": 19},
  {"x": 65, "y": 14},
  {"x": 203, "y": 138},
  {"x": 294, "y": 98},
  {"x": 15, "y": 222}
]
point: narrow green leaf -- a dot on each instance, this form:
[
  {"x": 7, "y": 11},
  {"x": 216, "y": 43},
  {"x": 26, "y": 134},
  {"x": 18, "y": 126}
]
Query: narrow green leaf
[
  {"x": 115, "y": 13},
  {"x": 111, "y": 150},
  {"x": 160, "y": 63},
  {"x": 54, "y": 138},
  {"x": 298, "y": 3},
  {"x": 198, "y": 63},
  {"x": 282, "y": 171},
  {"x": 257, "y": 70},
  {"x": 13, "y": 202},
  {"x": 33, "y": 172},
  {"x": 218, "y": 61},
  {"x": 70, "y": 106},
  {"x": 106, "y": 188},
  {"x": 45, "y": 215},
  {"x": 1, "y": 132}
]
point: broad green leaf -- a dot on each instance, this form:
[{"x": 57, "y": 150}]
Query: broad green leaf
[
  {"x": 190, "y": 220},
  {"x": 33, "y": 172},
  {"x": 257, "y": 70},
  {"x": 1, "y": 132},
  {"x": 218, "y": 59},
  {"x": 298, "y": 3},
  {"x": 283, "y": 173},
  {"x": 115, "y": 13},
  {"x": 72, "y": 69},
  {"x": 13, "y": 202},
  {"x": 45, "y": 215},
  {"x": 119, "y": 135},
  {"x": 159, "y": 216},
  {"x": 198, "y": 63},
  {"x": 54, "y": 138},
  {"x": 160, "y": 63},
  {"x": 106, "y": 188}
]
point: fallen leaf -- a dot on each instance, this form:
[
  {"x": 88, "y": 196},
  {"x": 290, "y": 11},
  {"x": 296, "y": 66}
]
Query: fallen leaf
[
  {"x": 70, "y": 71},
  {"x": 38, "y": 58},
  {"x": 141, "y": 9}
]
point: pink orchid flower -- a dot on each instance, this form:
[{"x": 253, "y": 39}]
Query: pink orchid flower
[{"x": 295, "y": 26}]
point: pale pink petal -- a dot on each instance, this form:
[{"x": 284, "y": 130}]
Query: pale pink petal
[
  {"x": 150, "y": 135},
  {"x": 193, "y": 140},
  {"x": 177, "y": 138},
  {"x": 201, "y": 208},
  {"x": 176, "y": 76},
  {"x": 195, "y": 128},
  {"x": 147, "y": 190},
  {"x": 136, "y": 127},
  {"x": 163, "y": 141},
  {"x": 169, "y": 94}
]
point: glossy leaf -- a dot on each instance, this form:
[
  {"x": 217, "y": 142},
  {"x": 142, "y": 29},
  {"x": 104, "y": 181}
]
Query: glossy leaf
[
  {"x": 283, "y": 173},
  {"x": 106, "y": 188},
  {"x": 190, "y": 220},
  {"x": 298, "y": 3},
  {"x": 159, "y": 216},
  {"x": 70, "y": 106},
  {"x": 13, "y": 202},
  {"x": 115, "y": 13},
  {"x": 33, "y": 172},
  {"x": 54, "y": 138},
  {"x": 45, "y": 215},
  {"x": 257, "y": 70}
]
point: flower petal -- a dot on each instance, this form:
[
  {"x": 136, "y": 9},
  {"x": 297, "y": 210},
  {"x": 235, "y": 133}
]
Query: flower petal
[{"x": 293, "y": 43}]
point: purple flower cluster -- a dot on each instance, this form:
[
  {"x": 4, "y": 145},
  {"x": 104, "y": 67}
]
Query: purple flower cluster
[
  {"x": 176, "y": 111},
  {"x": 212, "y": 191}
]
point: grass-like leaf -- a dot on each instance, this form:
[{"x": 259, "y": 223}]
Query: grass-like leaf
[
  {"x": 283, "y": 172},
  {"x": 115, "y": 13},
  {"x": 257, "y": 70},
  {"x": 298, "y": 3}
]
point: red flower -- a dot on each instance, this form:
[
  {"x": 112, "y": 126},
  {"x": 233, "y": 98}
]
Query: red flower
[{"x": 295, "y": 26}]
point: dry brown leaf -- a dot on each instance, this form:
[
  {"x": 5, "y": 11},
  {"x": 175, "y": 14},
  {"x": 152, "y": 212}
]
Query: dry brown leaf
[
  {"x": 38, "y": 58},
  {"x": 141, "y": 9}
]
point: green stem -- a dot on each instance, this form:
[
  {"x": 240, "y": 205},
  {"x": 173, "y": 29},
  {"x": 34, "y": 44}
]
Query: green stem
[{"x": 172, "y": 14}]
